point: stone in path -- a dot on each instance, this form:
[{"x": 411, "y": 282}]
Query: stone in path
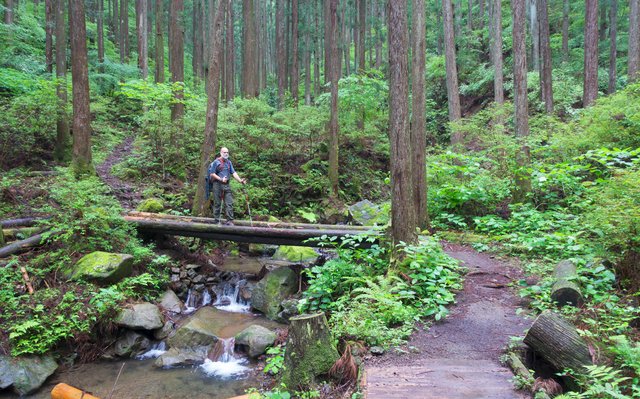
[{"x": 458, "y": 358}]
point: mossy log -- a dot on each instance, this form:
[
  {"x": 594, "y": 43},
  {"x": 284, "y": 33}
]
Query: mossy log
[
  {"x": 558, "y": 342},
  {"x": 310, "y": 350},
  {"x": 566, "y": 291}
]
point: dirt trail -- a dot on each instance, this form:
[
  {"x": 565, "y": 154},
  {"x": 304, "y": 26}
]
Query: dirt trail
[
  {"x": 458, "y": 358},
  {"x": 127, "y": 195}
]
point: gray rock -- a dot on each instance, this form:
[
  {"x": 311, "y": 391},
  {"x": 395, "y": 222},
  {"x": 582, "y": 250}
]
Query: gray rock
[
  {"x": 25, "y": 374},
  {"x": 255, "y": 340},
  {"x": 102, "y": 267},
  {"x": 269, "y": 292},
  {"x": 367, "y": 213},
  {"x": 131, "y": 344},
  {"x": 199, "y": 279},
  {"x": 175, "y": 357},
  {"x": 376, "y": 350},
  {"x": 192, "y": 266},
  {"x": 145, "y": 316},
  {"x": 170, "y": 301},
  {"x": 165, "y": 331},
  {"x": 289, "y": 309}
]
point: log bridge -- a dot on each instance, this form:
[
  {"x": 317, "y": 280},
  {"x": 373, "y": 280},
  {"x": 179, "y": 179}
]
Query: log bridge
[{"x": 278, "y": 233}]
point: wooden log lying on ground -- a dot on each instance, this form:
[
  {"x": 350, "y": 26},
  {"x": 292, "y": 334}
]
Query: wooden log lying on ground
[
  {"x": 12, "y": 233},
  {"x": 22, "y": 245},
  {"x": 517, "y": 366},
  {"x": 566, "y": 291},
  {"x": 558, "y": 342},
  {"x": 24, "y": 222}
]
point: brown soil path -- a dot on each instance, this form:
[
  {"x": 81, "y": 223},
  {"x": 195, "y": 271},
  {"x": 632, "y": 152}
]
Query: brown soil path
[
  {"x": 459, "y": 357},
  {"x": 128, "y": 196}
]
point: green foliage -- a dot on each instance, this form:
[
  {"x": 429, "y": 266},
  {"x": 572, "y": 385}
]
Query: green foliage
[
  {"x": 275, "y": 360},
  {"x": 600, "y": 382}
]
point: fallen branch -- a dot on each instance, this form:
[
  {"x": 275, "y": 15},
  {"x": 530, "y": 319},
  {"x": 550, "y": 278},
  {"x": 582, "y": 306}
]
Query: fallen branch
[
  {"x": 19, "y": 246},
  {"x": 25, "y": 222},
  {"x": 27, "y": 282}
]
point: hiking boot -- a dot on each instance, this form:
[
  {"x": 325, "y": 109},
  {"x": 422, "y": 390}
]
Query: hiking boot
[
  {"x": 229, "y": 223},
  {"x": 216, "y": 221}
]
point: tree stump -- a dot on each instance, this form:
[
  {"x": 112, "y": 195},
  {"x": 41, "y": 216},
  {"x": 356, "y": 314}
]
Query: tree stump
[
  {"x": 566, "y": 291},
  {"x": 310, "y": 350},
  {"x": 558, "y": 342}
]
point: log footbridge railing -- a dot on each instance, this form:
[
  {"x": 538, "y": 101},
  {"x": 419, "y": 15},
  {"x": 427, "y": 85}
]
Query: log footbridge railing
[{"x": 279, "y": 233}]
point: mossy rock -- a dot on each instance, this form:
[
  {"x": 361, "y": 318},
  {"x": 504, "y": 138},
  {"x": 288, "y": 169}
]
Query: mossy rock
[
  {"x": 367, "y": 213},
  {"x": 255, "y": 340},
  {"x": 102, "y": 267},
  {"x": 152, "y": 205},
  {"x": 296, "y": 254},
  {"x": 276, "y": 286},
  {"x": 273, "y": 219}
]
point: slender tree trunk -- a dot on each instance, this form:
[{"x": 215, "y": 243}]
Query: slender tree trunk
[
  {"x": 418, "y": 131},
  {"x": 403, "y": 212},
  {"x": 334, "y": 76},
  {"x": 49, "y": 27},
  {"x": 354, "y": 26},
  {"x": 124, "y": 31},
  {"x": 378, "y": 35},
  {"x": 535, "y": 35},
  {"x": 82, "y": 163},
  {"x": 523, "y": 180},
  {"x": 613, "y": 50},
  {"x": 470, "y": 15},
  {"x": 482, "y": 14},
  {"x": 213, "y": 103},
  {"x": 294, "y": 52},
  {"x": 150, "y": 44},
  {"x": 362, "y": 25},
  {"x": 176, "y": 59},
  {"x": 141, "y": 29},
  {"x": 250, "y": 71},
  {"x": 546, "y": 86},
  {"x": 195, "y": 38},
  {"x": 115, "y": 21},
  {"x": 452, "y": 71},
  {"x": 8, "y": 12},
  {"x": 159, "y": 43},
  {"x": 346, "y": 42},
  {"x": 231, "y": 55},
  {"x": 565, "y": 30},
  {"x": 590, "y": 53},
  {"x": 327, "y": 42},
  {"x": 100, "y": 27},
  {"x": 307, "y": 65},
  {"x": 317, "y": 46},
  {"x": 281, "y": 57},
  {"x": 439, "y": 40},
  {"x": 62, "y": 152},
  {"x": 634, "y": 41},
  {"x": 496, "y": 51},
  {"x": 603, "y": 21}
]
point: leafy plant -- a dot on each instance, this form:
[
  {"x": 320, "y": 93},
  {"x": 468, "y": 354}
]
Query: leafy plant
[{"x": 275, "y": 360}]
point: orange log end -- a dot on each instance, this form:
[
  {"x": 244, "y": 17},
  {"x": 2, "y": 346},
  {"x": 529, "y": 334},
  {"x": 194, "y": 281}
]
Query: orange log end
[{"x": 64, "y": 391}]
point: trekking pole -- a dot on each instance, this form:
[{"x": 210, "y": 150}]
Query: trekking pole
[{"x": 246, "y": 197}]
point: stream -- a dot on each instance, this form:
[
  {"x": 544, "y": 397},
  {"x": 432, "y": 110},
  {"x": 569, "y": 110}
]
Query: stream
[{"x": 228, "y": 375}]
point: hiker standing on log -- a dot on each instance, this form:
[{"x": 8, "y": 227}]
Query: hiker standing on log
[{"x": 220, "y": 172}]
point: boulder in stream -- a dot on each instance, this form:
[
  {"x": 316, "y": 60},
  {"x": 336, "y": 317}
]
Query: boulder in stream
[
  {"x": 255, "y": 340},
  {"x": 145, "y": 316},
  {"x": 131, "y": 344},
  {"x": 102, "y": 267},
  {"x": 25, "y": 374},
  {"x": 176, "y": 357},
  {"x": 275, "y": 287},
  {"x": 170, "y": 301}
]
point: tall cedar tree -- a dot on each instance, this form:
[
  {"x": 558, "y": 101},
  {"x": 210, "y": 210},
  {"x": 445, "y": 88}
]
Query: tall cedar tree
[
  {"x": 49, "y": 27},
  {"x": 230, "y": 91},
  {"x": 250, "y": 81},
  {"x": 534, "y": 26},
  {"x": 62, "y": 151},
  {"x": 496, "y": 51},
  {"x": 362, "y": 25},
  {"x": 141, "y": 29},
  {"x": 634, "y": 40},
  {"x": 546, "y": 85},
  {"x": 613, "y": 49},
  {"x": 403, "y": 213},
  {"x": 100, "y": 27},
  {"x": 81, "y": 162},
  {"x": 159, "y": 75},
  {"x": 590, "y": 53},
  {"x": 211, "y": 121},
  {"x": 334, "y": 76},
  {"x": 294, "y": 52},
  {"x": 281, "y": 57},
  {"x": 418, "y": 136},
  {"x": 124, "y": 31},
  {"x": 176, "y": 59},
  {"x": 565, "y": 30},
  {"x": 453, "y": 96},
  {"x": 523, "y": 180},
  {"x": 8, "y": 12},
  {"x": 115, "y": 22}
]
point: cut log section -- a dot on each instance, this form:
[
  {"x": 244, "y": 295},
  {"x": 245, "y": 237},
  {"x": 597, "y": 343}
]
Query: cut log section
[
  {"x": 310, "y": 350},
  {"x": 64, "y": 391},
  {"x": 558, "y": 342},
  {"x": 566, "y": 291}
]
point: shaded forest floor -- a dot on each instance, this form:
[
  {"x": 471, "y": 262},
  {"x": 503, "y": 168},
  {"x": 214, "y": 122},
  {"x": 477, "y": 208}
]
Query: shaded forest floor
[{"x": 459, "y": 357}]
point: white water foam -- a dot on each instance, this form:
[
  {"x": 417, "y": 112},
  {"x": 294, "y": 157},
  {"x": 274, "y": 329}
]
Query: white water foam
[
  {"x": 229, "y": 295},
  {"x": 231, "y": 369},
  {"x": 155, "y": 351}
]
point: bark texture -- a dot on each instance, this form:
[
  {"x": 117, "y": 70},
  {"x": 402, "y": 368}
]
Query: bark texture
[
  {"x": 613, "y": 49},
  {"x": 281, "y": 56},
  {"x": 452, "y": 70},
  {"x": 634, "y": 40},
  {"x": 141, "y": 29},
  {"x": 48, "y": 29},
  {"x": 565, "y": 290},
  {"x": 159, "y": 75},
  {"x": 496, "y": 52},
  {"x": 590, "y": 92},
  {"x": 334, "y": 76},
  {"x": 523, "y": 180},
  {"x": 176, "y": 59},
  {"x": 250, "y": 86},
  {"x": 546, "y": 86},
  {"x": 62, "y": 151},
  {"x": 294, "y": 52}
]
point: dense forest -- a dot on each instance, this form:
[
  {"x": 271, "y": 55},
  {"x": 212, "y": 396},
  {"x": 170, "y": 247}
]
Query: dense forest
[{"x": 508, "y": 127}]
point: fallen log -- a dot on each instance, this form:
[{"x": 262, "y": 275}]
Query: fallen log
[
  {"x": 22, "y": 245},
  {"x": 310, "y": 350},
  {"x": 565, "y": 290},
  {"x": 13, "y": 233},
  {"x": 25, "y": 222},
  {"x": 64, "y": 391},
  {"x": 558, "y": 342}
]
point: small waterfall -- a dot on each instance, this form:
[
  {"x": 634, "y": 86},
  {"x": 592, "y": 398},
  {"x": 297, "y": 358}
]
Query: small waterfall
[
  {"x": 156, "y": 350},
  {"x": 228, "y": 297},
  {"x": 222, "y": 361},
  {"x": 196, "y": 300}
]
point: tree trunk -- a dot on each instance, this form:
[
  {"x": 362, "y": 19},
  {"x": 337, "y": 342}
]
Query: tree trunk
[
  {"x": 62, "y": 151},
  {"x": 590, "y": 53},
  {"x": 196, "y": 36},
  {"x": 281, "y": 57},
  {"x": 8, "y": 12},
  {"x": 22, "y": 245},
  {"x": 310, "y": 349},
  {"x": 294, "y": 52},
  {"x": 100, "y": 27},
  {"x": 159, "y": 43},
  {"x": 317, "y": 46},
  {"x": 613, "y": 50},
  {"x": 403, "y": 213},
  {"x": 379, "y": 39},
  {"x": 49, "y": 27},
  {"x": 634, "y": 40},
  {"x": 250, "y": 71},
  {"x": 211, "y": 122},
  {"x": 115, "y": 21},
  {"x": 82, "y": 163},
  {"x": 603, "y": 21},
  {"x": 452, "y": 70},
  {"x": 470, "y": 15},
  {"x": 546, "y": 89},
  {"x": 565, "y": 30},
  {"x": 231, "y": 55},
  {"x": 522, "y": 178},
  {"x": 362, "y": 25},
  {"x": 565, "y": 290},
  {"x": 558, "y": 342},
  {"x": 418, "y": 131},
  {"x": 124, "y": 31},
  {"x": 535, "y": 35},
  {"x": 496, "y": 51},
  {"x": 176, "y": 59},
  {"x": 307, "y": 63},
  {"x": 334, "y": 75},
  {"x": 141, "y": 29},
  {"x": 482, "y": 14}
]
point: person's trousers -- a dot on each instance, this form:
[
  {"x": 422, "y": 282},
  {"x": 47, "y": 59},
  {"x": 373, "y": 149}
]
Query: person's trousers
[{"x": 222, "y": 192}]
